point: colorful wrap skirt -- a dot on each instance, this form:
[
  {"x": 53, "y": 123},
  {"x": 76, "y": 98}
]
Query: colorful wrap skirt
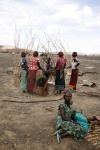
[
  {"x": 59, "y": 82},
  {"x": 74, "y": 130},
  {"x": 74, "y": 77},
  {"x": 41, "y": 87},
  {"x": 31, "y": 80},
  {"x": 23, "y": 79}
]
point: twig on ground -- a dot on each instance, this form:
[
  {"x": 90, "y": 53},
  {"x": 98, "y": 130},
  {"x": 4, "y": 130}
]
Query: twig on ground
[{"x": 14, "y": 101}]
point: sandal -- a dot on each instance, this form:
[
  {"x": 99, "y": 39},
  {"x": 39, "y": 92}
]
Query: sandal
[
  {"x": 58, "y": 137},
  {"x": 58, "y": 131}
]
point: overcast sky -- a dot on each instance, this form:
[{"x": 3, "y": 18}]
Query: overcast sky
[{"x": 74, "y": 23}]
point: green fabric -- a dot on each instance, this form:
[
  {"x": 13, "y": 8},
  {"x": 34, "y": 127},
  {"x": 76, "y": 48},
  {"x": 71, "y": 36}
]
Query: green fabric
[
  {"x": 23, "y": 82},
  {"x": 74, "y": 130},
  {"x": 39, "y": 74}
]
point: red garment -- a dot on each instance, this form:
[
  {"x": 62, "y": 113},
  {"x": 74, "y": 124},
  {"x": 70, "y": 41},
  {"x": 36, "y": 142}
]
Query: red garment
[
  {"x": 73, "y": 79},
  {"x": 33, "y": 63},
  {"x": 31, "y": 80},
  {"x": 40, "y": 87},
  {"x": 32, "y": 72},
  {"x": 59, "y": 61}
]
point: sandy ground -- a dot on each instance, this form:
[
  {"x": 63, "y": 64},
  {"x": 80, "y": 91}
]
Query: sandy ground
[{"x": 27, "y": 120}]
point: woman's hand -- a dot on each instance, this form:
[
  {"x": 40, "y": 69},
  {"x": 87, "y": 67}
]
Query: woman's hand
[{"x": 73, "y": 114}]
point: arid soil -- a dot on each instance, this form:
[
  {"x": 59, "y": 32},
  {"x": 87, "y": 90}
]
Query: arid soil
[{"x": 27, "y": 121}]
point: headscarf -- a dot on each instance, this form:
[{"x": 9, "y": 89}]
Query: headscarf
[
  {"x": 67, "y": 93},
  {"x": 23, "y": 54},
  {"x": 35, "y": 53},
  {"x": 60, "y": 54},
  {"x": 74, "y": 54}
]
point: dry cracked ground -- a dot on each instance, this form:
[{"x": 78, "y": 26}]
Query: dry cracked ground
[{"x": 27, "y": 121}]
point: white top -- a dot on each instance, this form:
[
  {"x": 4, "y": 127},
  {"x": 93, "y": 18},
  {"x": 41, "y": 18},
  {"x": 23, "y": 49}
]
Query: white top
[{"x": 74, "y": 63}]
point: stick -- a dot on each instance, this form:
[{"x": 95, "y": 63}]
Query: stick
[{"x": 31, "y": 101}]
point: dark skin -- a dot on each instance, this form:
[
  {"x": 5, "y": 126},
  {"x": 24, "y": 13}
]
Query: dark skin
[
  {"x": 62, "y": 111},
  {"x": 57, "y": 65},
  {"x": 39, "y": 65},
  {"x": 75, "y": 60}
]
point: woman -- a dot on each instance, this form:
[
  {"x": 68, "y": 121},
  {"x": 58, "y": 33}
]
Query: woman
[
  {"x": 60, "y": 78},
  {"x": 69, "y": 122},
  {"x": 34, "y": 65},
  {"x": 24, "y": 72},
  {"x": 48, "y": 62},
  {"x": 74, "y": 73},
  {"x": 41, "y": 87}
]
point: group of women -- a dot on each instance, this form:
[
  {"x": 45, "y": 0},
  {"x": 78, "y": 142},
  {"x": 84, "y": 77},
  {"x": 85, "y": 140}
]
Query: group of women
[
  {"x": 34, "y": 79},
  {"x": 60, "y": 77}
]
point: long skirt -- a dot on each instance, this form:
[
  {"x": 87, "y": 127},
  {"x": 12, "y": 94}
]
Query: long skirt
[
  {"x": 23, "y": 82},
  {"x": 74, "y": 130},
  {"x": 59, "y": 82},
  {"x": 74, "y": 77},
  {"x": 31, "y": 80}
]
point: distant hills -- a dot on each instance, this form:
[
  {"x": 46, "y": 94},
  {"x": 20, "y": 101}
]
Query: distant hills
[{"x": 7, "y": 48}]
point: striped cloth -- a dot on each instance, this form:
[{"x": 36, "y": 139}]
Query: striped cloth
[{"x": 93, "y": 135}]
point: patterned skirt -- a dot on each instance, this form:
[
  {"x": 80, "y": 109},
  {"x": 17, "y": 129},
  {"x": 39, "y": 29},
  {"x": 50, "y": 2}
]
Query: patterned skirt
[
  {"x": 31, "y": 80},
  {"x": 74, "y": 130},
  {"x": 40, "y": 90},
  {"x": 23, "y": 80},
  {"x": 74, "y": 77},
  {"x": 59, "y": 82},
  {"x": 41, "y": 87}
]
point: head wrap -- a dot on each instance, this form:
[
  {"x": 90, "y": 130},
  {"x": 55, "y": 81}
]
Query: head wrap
[
  {"x": 23, "y": 54},
  {"x": 67, "y": 93},
  {"x": 35, "y": 53},
  {"x": 74, "y": 54},
  {"x": 60, "y": 54}
]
